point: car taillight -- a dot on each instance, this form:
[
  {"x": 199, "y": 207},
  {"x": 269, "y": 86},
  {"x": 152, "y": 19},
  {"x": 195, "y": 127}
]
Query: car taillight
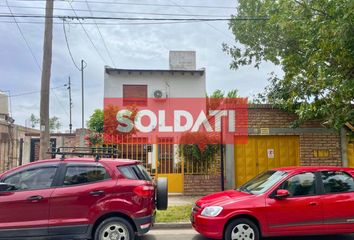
[{"x": 144, "y": 191}]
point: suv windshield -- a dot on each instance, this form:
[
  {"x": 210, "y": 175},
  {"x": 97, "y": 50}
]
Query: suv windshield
[{"x": 263, "y": 182}]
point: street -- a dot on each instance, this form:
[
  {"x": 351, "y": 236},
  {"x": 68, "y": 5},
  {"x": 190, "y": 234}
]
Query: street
[{"x": 189, "y": 234}]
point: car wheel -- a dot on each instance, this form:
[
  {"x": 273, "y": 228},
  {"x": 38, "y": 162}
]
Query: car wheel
[
  {"x": 162, "y": 194},
  {"x": 242, "y": 229},
  {"x": 114, "y": 229}
]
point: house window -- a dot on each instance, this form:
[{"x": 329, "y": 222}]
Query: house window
[{"x": 135, "y": 95}]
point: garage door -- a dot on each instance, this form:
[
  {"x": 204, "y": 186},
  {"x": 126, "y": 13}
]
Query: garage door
[
  {"x": 265, "y": 152},
  {"x": 351, "y": 154}
]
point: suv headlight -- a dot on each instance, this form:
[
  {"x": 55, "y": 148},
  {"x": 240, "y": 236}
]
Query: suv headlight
[{"x": 211, "y": 211}]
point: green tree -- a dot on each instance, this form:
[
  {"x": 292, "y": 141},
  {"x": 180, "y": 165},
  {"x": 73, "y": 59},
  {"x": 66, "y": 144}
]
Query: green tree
[
  {"x": 218, "y": 93},
  {"x": 54, "y": 124},
  {"x": 215, "y": 99},
  {"x": 313, "y": 41},
  {"x": 232, "y": 93},
  {"x": 96, "y": 121},
  {"x": 34, "y": 120}
]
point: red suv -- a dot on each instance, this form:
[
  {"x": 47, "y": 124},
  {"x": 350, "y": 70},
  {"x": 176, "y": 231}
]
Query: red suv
[
  {"x": 280, "y": 202},
  {"x": 79, "y": 198}
]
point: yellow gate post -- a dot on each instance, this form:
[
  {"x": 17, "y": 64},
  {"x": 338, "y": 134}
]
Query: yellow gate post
[{"x": 350, "y": 154}]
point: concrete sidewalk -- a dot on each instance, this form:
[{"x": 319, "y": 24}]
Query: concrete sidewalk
[{"x": 180, "y": 199}]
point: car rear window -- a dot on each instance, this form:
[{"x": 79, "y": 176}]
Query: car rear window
[{"x": 135, "y": 172}]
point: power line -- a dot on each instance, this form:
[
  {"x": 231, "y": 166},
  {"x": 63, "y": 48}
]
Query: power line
[
  {"x": 99, "y": 31},
  {"x": 24, "y": 38},
  {"x": 140, "y": 4},
  {"x": 209, "y": 24},
  {"x": 60, "y": 104},
  {"x": 29, "y": 93},
  {"x": 68, "y": 47},
  {"x": 88, "y": 36},
  {"x": 106, "y": 23},
  {"x": 121, "y": 12},
  {"x": 5, "y": 15}
]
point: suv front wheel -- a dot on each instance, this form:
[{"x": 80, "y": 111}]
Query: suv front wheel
[
  {"x": 115, "y": 228},
  {"x": 242, "y": 228}
]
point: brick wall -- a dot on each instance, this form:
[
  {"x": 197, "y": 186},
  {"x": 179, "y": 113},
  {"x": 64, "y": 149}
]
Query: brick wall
[
  {"x": 267, "y": 117},
  {"x": 313, "y": 136},
  {"x": 317, "y": 141},
  {"x": 201, "y": 184},
  {"x": 62, "y": 140}
]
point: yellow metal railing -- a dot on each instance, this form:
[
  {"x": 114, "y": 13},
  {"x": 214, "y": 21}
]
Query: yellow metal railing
[{"x": 165, "y": 157}]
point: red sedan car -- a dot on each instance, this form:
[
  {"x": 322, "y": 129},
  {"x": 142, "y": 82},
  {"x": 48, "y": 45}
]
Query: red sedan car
[{"x": 280, "y": 202}]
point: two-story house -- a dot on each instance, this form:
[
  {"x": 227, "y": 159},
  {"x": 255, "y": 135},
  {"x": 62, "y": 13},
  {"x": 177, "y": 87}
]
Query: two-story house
[{"x": 181, "y": 80}]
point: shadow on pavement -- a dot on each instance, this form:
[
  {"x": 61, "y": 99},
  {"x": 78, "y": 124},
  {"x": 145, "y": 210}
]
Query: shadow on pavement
[
  {"x": 327, "y": 237},
  {"x": 200, "y": 237},
  {"x": 331, "y": 237}
]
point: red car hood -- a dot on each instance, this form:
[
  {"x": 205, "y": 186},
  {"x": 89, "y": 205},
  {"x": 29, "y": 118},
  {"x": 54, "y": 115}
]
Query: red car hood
[{"x": 223, "y": 198}]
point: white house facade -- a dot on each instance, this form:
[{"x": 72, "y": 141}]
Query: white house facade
[{"x": 181, "y": 80}]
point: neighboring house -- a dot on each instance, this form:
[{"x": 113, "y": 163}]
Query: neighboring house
[
  {"x": 14, "y": 149},
  {"x": 32, "y": 140},
  {"x": 20, "y": 145},
  {"x": 272, "y": 142}
]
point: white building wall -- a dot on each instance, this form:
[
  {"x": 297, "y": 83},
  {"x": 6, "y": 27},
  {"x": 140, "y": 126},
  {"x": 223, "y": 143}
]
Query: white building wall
[{"x": 175, "y": 84}]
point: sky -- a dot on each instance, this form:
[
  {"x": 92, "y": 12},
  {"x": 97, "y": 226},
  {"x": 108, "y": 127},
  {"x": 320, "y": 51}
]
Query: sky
[{"x": 139, "y": 46}]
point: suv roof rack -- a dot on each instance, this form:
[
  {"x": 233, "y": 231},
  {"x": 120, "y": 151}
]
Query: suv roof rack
[{"x": 97, "y": 152}]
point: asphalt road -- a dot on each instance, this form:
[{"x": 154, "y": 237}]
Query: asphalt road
[{"x": 189, "y": 234}]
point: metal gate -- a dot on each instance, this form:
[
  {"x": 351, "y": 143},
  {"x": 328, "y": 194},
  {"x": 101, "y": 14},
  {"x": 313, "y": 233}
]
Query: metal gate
[
  {"x": 265, "y": 152},
  {"x": 164, "y": 160},
  {"x": 170, "y": 165}
]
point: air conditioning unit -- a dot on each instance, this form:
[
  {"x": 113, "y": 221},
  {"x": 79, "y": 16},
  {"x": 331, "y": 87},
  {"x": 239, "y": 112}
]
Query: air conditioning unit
[{"x": 160, "y": 95}]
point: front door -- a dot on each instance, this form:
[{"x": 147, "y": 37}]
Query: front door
[
  {"x": 27, "y": 207},
  {"x": 301, "y": 212},
  {"x": 169, "y": 165}
]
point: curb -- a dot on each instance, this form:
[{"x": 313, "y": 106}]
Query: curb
[{"x": 172, "y": 225}]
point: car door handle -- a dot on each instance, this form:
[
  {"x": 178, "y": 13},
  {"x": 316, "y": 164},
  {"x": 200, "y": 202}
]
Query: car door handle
[
  {"x": 313, "y": 204},
  {"x": 97, "y": 193},
  {"x": 35, "y": 198}
]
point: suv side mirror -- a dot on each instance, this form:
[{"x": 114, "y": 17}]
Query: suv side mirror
[
  {"x": 5, "y": 187},
  {"x": 282, "y": 193}
]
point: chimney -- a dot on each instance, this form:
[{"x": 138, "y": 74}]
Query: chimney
[
  {"x": 4, "y": 106},
  {"x": 183, "y": 60}
]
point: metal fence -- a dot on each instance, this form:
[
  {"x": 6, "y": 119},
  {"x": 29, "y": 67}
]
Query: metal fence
[{"x": 165, "y": 157}]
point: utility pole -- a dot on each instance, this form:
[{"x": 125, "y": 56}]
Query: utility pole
[
  {"x": 45, "y": 80},
  {"x": 70, "y": 105},
  {"x": 83, "y": 66}
]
